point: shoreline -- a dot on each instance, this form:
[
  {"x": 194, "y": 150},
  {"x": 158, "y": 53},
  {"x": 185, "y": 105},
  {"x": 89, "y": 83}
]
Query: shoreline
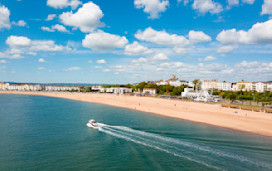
[{"x": 212, "y": 114}]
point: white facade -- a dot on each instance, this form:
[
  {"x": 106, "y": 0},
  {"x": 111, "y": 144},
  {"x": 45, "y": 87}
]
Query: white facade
[
  {"x": 150, "y": 91},
  {"x": 245, "y": 86},
  {"x": 175, "y": 83},
  {"x": 118, "y": 90},
  {"x": 209, "y": 84},
  {"x": 162, "y": 83},
  {"x": 263, "y": 86},
  {"x": 101, "y": 89},
  {"x": 61, "y": 88},
  {"x": 225, "y": 86},
  {"x": 190, "y": 93}
]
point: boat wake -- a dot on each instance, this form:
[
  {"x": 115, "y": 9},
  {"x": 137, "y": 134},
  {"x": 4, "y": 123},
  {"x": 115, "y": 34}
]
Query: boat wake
[{"x": 201, "y": 154}]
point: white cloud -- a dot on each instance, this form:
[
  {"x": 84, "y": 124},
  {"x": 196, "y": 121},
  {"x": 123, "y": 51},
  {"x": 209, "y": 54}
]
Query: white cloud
[
  {"x": 51, "y": 17},
  {"x": 41, "y": 68},
  {"x": 41, "y": 60},
  {"x": 152, "y": 7},
  {"x": 4, "y": 17},
  {"x": 161, "y": 37},
  {"x": 267, "y": 7},
  {"x": 60, "y": 4},
  {"x": 248, "y": 1},
  {"x": 204, "y": 6},
  {"x": 136, "y": 49},
  {"x": 60, "y": 28},
  {"x": 260, "y": 33},
  {"x": 198, "y": 36},
  {"x": 87, "y": 18},
  {"x": 180, "y": 50},
  {"x": 226, "y": 49},
  {"x": 171, "y": 65},
  {"x": 10, "y": 56},
  {"x": 140, "y": 60},
  {"x": 20, "y": 23},
  {"x": 47, "y": 29},
  {"x": 18, "y": 41},
  {"x": 90, "y": 61},
  {"x": 47, "y": 45},
  {"x": 101, "y": 61},
  {"x": 106, "y": 70},
  {"x": 32, "y": 53},
  {"x": 160, "y": 57},
  {"x": 103, "y": 41},
  {"x": 233, "y": 2},
  {"x": 55, "y": 27},
  {"x": 72, "y": 69},
  {"x": 3, "y": 61},
  {"x": 208, "y": 58}
]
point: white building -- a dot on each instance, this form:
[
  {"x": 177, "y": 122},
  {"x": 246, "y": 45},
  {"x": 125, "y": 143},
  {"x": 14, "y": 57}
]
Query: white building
[
  {"x": 4, "y": 86},
  {"x": 225, "y": 86},
  {"x": 99, "y": 88},
  {"x": 162, "y": 82},
  {"x": 209, "y": 84},
  {"x": 118, "y": 90},
  {"x": 244, "y": 86},
  {"x": 150, "y": 91},
  {"x": 190, "y": 93},
  {"x": 61, "y": 88},
  {"x": 263, "y": 86}
]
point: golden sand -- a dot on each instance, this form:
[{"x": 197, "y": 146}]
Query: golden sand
[{"x": 212, "y": 114}]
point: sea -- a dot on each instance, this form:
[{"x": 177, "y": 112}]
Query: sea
[{"x": 47, "y": 133}]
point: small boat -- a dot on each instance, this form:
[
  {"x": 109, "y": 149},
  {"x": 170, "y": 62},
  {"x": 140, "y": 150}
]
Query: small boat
[{"x": 93, "y": 124}]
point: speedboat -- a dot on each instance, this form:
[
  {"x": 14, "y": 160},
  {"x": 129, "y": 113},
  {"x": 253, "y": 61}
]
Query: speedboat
[{"x": 93, "y": 124}]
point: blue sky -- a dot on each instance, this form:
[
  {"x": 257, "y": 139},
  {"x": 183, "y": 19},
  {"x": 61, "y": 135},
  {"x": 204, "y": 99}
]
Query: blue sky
[{"x": 105, "y": 41}]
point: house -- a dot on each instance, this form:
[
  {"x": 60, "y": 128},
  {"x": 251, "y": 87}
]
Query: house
[
  {"x": 209, "y": 84},
  {"x": 150, "y": 91}
]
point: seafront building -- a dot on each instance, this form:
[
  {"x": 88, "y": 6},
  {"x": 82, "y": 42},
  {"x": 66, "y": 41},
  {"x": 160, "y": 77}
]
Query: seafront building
[
  {"x": 150, "y": 91},
  {"x": 113, "y": 90}
]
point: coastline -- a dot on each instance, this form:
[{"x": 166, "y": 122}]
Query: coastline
[{"x": 213, "y": 114}]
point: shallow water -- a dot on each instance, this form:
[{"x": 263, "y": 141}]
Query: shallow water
[{"x": 45, "y": 133}]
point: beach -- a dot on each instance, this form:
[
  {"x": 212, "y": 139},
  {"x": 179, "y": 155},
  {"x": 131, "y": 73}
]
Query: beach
[{"x": 213, "y": 114}]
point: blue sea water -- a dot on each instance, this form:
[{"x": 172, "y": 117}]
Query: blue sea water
[{"x": 45, "y": 133}]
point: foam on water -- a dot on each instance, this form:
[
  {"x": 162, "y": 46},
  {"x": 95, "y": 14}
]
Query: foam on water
[{"x": 177, "y": 147}]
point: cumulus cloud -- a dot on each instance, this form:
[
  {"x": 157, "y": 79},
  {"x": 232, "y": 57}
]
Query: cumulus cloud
[
  {"x": 233, "y": 2},
  {"x": 171, "y": 65},
  {"x": 160, "y": 57},
  {"x": 90, "y": 61},
  {"x": 87, "y": 18},
  {"x": 260, "y": 33},
  {"x": 4, "y": 17},
  {"x": 140, "y": 60},
  {"x": 205, "y": 6},
  {"x": 20, "y": 23},
  {"x": 267, "y": 7},
  {"x": 248, "y": 1},
  {"x": 161, "y": 37},
  {"x": 152, "y": 7},
  {"x": 103, "y": 41},
  {"x": 208, "y": 58},
  {"x": 55, "y": 27},
  {"x": 136, "y": 49},
  {"x": 51, "y": 17},
  {"x": 41, "y": 60},
  {"x": 72, "y": 69},
  {"x": 198, "y": 37},
  {"x": 3, "y": 61},
  {"x": 226, "y": 49},
  {"x": 18, "y": 41},
  {"x": 47, "y": 46},
  {"x": 60, "y": 4},
  {"x": 101, "y": 61}
]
